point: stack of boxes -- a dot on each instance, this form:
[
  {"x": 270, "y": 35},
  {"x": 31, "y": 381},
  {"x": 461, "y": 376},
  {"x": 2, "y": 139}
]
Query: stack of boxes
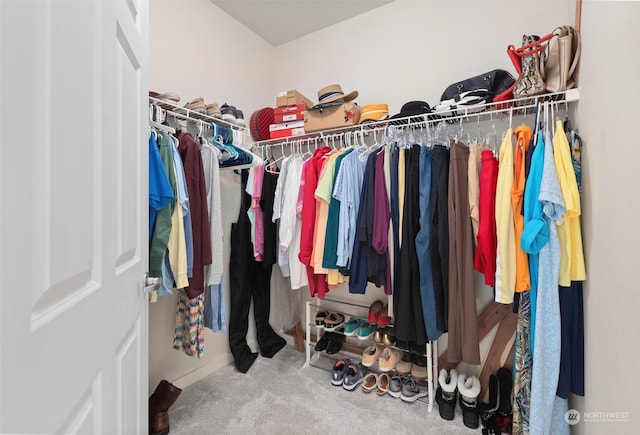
[{"x": 289, "y": 114}]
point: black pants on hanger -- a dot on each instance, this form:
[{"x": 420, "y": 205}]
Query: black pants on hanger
[
  {"x": 249, "y": 281},
  {"x": 439, "y": 236}
]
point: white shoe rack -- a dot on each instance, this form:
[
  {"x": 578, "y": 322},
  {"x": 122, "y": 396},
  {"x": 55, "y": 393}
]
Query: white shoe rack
[{"x": 348, "y": 309}]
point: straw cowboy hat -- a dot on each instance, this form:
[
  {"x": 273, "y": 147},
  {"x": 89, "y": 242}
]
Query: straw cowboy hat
[{"x": 332, "y": 93}]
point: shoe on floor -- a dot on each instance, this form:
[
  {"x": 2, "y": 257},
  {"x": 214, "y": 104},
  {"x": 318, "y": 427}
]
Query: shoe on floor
[
  {"x": 506, "y": 391},
  {"x": 388, "y": 359},
  {"x": 370, "y": 382},
  {"x": 370, "y": 355},
  {"x": 488, "y": 411},
  {"x": 413, "y": 390},
  {"x": 446, "y": 394},
  {"x": 395, "y": 385},
  {"x": 354, "y": 376},
  {"x": 469, "y": 389},
  {"x": 228, "y": 113},
  {"x": 383, "y": 384},
  {"x": 339, "y": 370}
]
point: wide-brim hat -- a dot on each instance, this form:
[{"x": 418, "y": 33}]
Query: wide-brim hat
[
  {"x": 332, "y": 93},
  {"x": 412, "y": 108}
]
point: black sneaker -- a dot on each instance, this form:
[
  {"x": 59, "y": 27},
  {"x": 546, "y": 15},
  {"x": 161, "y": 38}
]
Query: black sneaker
[
  {"x": 240, "y": 118},
  {"x": 228, "y": 113}
]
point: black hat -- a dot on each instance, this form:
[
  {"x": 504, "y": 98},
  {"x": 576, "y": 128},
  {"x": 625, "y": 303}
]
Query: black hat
[{"x": 412, "y": 108}]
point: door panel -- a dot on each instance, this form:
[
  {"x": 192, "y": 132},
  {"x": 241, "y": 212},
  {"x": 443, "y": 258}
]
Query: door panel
[{"x": 73, "y": 220}]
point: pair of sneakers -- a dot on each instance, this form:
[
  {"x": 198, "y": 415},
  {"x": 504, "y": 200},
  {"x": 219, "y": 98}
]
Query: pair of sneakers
[
  {"x": 232, "y": 114},
  {"x": 198, "y": 105},
  {"x": 452, "y": 383},
  {"x": 407, "y": 388},
  {"x": 360, "y": 327},
  {"x": 348, "y": 373}
]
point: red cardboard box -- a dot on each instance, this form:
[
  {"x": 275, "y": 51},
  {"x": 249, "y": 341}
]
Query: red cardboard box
[
  {"x": 289, "y": 113},
  {"x": 286, "y": 129}
]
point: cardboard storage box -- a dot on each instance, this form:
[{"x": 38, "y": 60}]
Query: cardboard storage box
[
  {"x": 286, "y": 129},
  {"x": 341, "y": 115},
  {"x": 291, "y": 98},
  {"x": 289, "y": 113}
]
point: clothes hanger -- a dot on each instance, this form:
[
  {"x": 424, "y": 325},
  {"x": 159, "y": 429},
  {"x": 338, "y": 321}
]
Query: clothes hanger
[{"x": 155, "y": 124}]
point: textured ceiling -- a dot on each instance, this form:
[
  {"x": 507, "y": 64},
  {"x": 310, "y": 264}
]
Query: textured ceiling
[{"x": 278, "y": 22}]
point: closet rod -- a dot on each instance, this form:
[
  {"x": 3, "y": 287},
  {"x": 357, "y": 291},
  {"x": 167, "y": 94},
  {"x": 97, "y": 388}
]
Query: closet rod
[
  {"x": 193, "y": 116},
  {"x": 506, "y": 106},
  {"x": 570, "y": 95}
]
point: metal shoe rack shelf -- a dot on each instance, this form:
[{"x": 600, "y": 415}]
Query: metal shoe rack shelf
[{"x": 353, "y": 347}]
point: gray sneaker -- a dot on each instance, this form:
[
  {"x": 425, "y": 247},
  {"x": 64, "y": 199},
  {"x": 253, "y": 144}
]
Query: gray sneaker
[
  {"x": 413, "y": 390},
  {"x": 354, "y": 376},
  {"x": 395, "y": 385}
]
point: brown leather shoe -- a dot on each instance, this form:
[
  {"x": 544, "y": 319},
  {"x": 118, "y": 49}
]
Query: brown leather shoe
[
  {"x": 163, "y": 397},
  {"x": 159, "y": 424}
]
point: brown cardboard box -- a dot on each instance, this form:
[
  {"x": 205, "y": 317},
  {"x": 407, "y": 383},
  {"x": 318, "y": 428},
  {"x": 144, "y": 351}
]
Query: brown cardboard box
[
  {"x": 343, "y": 115},
  {"x": 290, "y": 98}
]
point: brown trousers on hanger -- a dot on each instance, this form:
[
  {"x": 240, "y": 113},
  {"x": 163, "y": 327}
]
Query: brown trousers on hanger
[{"x": 463, "y": 314}]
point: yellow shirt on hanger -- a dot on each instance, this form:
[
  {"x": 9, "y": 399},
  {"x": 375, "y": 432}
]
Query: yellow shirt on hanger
[
  {"x": 572, "y": 266},
  {"x": 506, "y": 252}
]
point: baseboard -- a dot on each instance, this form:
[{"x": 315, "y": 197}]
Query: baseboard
[{"x": 204, "y": 371}]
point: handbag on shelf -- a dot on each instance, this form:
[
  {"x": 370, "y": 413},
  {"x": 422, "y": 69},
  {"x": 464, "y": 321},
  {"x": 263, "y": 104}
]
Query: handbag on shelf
[
  {"x": 470, "y": 95},
  {"x": 546, "y": 64}
]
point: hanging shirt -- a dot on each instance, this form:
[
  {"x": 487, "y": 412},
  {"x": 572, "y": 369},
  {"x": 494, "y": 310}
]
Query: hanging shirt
[
  {"x": 290, "y": 225},
  {"x": 197, "y": 190},
  {"x": 162, "y": 227},
  {"x": 485, "y": 257},
  {"x": 176, "y": 246},
  {"x": 278, "y": 202},
  {"x": 401, "y": 188},
  {"x": 160, "y": 193},
  {"x": 211, "y": 166},
  {"x": 523, "y": 137},
  {"x": 381, "y": 218},
  {"x": 475, "y": 163},
  {"x": 359, "y": 258},
  {"x": 506, "y": 256},
  {"x": 535, "y": 234},
  {"x": 323, "y": 196},
  {"x": 329, "y": 257},
  {"x": 258, "y": 240},
  {"x": 572, "y": 266},
  {"x": 348, "y": 185}
]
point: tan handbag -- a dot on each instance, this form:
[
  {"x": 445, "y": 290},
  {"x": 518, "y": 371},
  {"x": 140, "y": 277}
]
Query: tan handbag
[
  {"x": 562, "y": 57},
  {"x": 546, "y": 64}
]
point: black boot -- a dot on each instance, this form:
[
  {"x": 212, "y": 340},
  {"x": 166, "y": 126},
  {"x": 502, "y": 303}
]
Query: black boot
[
  {"x": 488, "y": 411},
  {"x": 469, "y": 389},
  {"x": 446, "y": 394}
]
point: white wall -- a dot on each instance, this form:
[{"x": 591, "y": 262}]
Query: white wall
[
  {"x": 195, "y": 50},
  {"x": 608, "y": 113}
]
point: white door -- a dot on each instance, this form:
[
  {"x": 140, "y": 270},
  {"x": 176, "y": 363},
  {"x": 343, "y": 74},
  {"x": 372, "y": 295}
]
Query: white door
[{"x": 73, "y": 213}]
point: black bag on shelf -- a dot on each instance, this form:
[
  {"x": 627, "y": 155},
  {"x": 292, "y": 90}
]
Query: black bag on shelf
[{"x": 476, "y": 91}]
